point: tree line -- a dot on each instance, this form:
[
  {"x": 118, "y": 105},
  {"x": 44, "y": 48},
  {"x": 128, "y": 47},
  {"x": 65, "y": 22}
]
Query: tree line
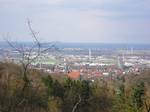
[{"x": 44, "y": 93}]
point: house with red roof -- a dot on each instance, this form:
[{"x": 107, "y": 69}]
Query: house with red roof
[{"x": 74, "y": 75}]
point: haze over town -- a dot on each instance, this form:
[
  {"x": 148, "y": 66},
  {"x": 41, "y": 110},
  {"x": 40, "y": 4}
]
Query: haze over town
[
  {"x": 74, "y": 56},
  {"x": 101, "y": 21}
]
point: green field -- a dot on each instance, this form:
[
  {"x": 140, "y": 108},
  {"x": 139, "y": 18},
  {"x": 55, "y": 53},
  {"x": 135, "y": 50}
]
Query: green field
[{"x": 46, "y": 61}]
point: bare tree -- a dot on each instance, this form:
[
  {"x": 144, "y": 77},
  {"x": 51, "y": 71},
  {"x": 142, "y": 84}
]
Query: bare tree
[
  {"x": 147, "y": 104},
  {"x": 76, "y": 105},
  {"x": 27, "y": 60}
]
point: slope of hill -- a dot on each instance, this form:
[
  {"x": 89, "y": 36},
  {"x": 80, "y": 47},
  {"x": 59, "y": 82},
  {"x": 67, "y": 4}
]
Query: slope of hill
[{"x": 43, "y": 92}]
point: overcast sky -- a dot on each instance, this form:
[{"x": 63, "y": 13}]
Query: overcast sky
[{"x": 109, "y": 21}]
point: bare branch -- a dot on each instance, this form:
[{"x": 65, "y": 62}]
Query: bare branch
[
  {"x": 13, "y": 46},
  {"x": 26, "y": 60},
  {"x": 52, "y": 46},
  {"x": 76, "y": 105},
  {"x": 147, "y": 106},
  {"x": 33, "y": 33}
]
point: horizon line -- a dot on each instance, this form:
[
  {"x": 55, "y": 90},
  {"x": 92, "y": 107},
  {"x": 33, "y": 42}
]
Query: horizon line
[{"x": 78, "y": 42}]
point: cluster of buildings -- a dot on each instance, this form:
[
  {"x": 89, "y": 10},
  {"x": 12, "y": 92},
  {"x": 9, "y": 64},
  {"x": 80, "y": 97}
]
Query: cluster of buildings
[{"x": 85, "y": 66}]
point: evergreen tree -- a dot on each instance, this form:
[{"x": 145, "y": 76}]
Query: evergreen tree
[{"x": 137, "y": 97}]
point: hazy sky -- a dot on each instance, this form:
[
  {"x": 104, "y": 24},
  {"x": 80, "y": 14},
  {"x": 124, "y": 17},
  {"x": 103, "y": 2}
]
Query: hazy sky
[{"x": 111, "y": 21}]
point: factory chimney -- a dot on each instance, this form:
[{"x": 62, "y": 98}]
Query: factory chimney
[{"x": 90, "y": 54}]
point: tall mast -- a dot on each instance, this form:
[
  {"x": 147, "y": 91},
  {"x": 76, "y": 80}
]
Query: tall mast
[{"x": 89, "y": 54}]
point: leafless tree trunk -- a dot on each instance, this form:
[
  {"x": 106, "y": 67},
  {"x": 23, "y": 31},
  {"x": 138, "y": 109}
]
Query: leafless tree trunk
[
  {"x": 76, "y": 105},
  {"x": 26, "y": 61},
  {"x": 147, "y": 106}
]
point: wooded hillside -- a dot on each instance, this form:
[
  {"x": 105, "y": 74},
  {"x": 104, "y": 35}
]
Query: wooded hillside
[{"x": 45, "y": 93}]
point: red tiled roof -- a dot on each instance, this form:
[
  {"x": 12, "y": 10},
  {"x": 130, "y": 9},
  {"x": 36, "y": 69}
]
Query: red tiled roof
[
  {"x": 98, "y": 74},
  {"x": 74, "y": 75}
]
